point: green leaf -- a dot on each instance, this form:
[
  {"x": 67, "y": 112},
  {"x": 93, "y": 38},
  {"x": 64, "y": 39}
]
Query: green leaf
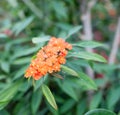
[
  {"x": 69, "y": 70},
  {"x": 51, "y": 109},
  {"x": 49, "y": 96},
  {"x": 100, "y": 112},
  {"x": 73, "y": 30},
  {"x": 106, "y": 67},
  {"x": 113, "y": 97},
  {"x": 87, "y": 56},
  {"x": 26, "y": 52},
  {"x": 25, "y": 86},
  {"x": 68, "y": 89},
  {"x": 3, "y": 104},
  {"x": 7, "y": 94},
  {"x": 5, "y": 66},
  {"x": 20, "y": 72},
  {"x": 96, "y": 100},
  {"x": 41, "y": 39},
  {"x": 81, "y": 107},
  {"x": 62, "y": 13},
  {"x": 21, "y": 61},
  {"x": 86, "y": 79},
  {"x": 67, "y": 106},
  {"x": 4, "y": 112},
  {"x": 39, "y": 83},
  {"x": 20, "y": 26},
  {"x": 36, "y": 100},
  {"x": 91, "y": 64},
  {"x": 90, "y": 44}
]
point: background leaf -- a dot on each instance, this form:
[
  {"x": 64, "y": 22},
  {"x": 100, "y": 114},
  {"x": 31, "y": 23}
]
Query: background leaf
[
  {"x": 68, "y": 104},
  {"x": 36, "y": 101},
  {"x": 73, "y": 30},
  {"x": 68, "y": 89},
  {"x": 5, "y": 66},
  {"x": 20, "y": 26},
  {"x": 113, "y": 97},
  {"x": 41, "y": 39},
  {"x": 100, "y": 112},
  {"x": 90, "y": 44},
  {"x": 68, "y": 70},
  {"x": 96, "y": 100},
  {"x": 87, "y": 56},
  {"x": 7, "y": 94},
  {"x": 86, "y": 79}
]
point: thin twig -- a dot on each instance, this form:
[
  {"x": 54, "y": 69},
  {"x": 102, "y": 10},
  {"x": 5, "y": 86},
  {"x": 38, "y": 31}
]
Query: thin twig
[
  {"x": 87, "y": 27},
  {"x": 115, "y": 46},
  {"x": 88, "y": 34}
]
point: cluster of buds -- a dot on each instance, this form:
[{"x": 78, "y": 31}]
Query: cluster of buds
[{"x": 49, "y": 58}]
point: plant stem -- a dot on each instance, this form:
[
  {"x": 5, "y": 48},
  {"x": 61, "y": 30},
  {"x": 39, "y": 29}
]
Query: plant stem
[
  {"x": 88, "y": 34},
  {"x": 115, "y": 45}
]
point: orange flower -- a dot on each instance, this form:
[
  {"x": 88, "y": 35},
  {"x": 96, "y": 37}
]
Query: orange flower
[{"x": 49, "y": 58}]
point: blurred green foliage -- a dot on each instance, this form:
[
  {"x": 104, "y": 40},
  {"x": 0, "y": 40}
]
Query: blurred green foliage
[{"x": 22, "y": 20}]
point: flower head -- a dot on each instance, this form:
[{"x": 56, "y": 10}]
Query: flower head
[{"x": 49, "y": 58}]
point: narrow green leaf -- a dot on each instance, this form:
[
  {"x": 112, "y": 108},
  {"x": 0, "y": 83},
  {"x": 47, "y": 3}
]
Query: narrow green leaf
[
  {"x": 90, "y": 44},
  {"x": 20, "y": 26},
  {"x": 19, "y": 40},
  {"x": 73, "y": 30},
  {"x": 67, "y": 105},
  {"x": 49, "y": 96},
  {"x": 68, "y": 70},
  {"x": 36, "y": 101},
  {"x": 113, "y": 97},
  {"x": 68, "y": 89},
  {"x": 5, "y": 66},
  {"x": 7, "y": 94},
  {"x": 100, "y": 112},
  {"x": 91, "y": 64},
  {"x": 96, "y": 100},
  {"x": 51, "y": 109},
  {"x": 41, "y": 39},
  {"x": 26, "y": 52},
  {"x": 87, "y": 56},
  {"x": 86, "y": 79},
  {"x": 21, "y": 61},
  {"x": 20, "y": 72},
  {"x": 3, "y": 104},
  {"x": 62, "y": 13},
  {"x": 81, "y": 107},
  {"x": 39, "y": 83}
]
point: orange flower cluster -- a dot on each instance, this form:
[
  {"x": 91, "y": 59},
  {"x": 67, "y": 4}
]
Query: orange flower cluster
[{"x": 49, "y": 58}]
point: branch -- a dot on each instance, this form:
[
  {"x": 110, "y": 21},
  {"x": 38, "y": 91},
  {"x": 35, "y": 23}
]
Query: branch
[
  {"x": 115, "y": 46},
  {"x": 88, "y": 34},
  {"x": 87, "y": 27}
]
